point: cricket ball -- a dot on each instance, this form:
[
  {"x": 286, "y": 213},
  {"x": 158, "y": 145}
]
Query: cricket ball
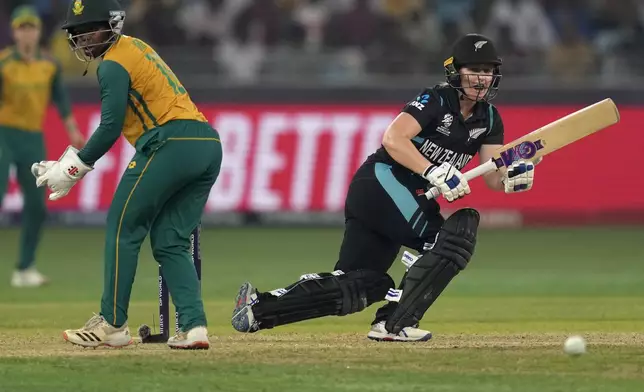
[{"x": 575, "y": 345}]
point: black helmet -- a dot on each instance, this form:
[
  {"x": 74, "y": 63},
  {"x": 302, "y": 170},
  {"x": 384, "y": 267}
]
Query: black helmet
[
  {"x": 85, "y": 18},
  {"x": 473, "y": 49}
]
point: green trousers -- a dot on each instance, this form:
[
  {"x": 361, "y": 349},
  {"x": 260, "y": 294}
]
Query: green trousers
[
  {"x": 163, "y": 192},
  {"x": 22, "y": 149}
]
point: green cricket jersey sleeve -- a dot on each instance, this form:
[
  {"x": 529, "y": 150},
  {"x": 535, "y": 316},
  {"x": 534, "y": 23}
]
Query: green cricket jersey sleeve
[
  {"x": 59, "y": 94},
  {"x": 3, "y": 60},
  {"x": 115, "y": 85}
]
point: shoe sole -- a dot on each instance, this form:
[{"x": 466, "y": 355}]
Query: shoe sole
[
  {"x": 386, "y": 338},
  {"x": 66, "y": 338},
  {"x": 193, "y": 346},
  {"x": 240, "y": 319},
  {"x": 29, "y": 286}
]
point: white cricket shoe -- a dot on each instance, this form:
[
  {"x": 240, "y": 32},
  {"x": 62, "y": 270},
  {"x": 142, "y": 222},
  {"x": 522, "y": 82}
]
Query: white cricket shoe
[
  {"x": 28, "y": 278},
  {"x": 407, "y": 334},
  {"x": 195, "y": 339},
  {"x": 98, "y": 332}
]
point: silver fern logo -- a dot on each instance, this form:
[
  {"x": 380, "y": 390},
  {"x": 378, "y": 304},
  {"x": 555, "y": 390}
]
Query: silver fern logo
[
  {"x": 476, "y": 132},
  {"x": 478, "y": 45}
]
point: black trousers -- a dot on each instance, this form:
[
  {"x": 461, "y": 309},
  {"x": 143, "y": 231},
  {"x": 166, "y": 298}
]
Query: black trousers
[{"x": 385, "y": 209}]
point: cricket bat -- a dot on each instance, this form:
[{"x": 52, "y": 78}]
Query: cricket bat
[{"x": 548, "y": 138}]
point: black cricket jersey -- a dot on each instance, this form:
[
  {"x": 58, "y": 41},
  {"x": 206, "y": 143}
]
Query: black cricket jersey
[{"x": 445, "y": 135}]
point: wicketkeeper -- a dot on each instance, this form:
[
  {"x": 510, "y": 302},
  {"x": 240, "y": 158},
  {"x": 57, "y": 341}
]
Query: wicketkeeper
[{"x": 166, "y": 185}]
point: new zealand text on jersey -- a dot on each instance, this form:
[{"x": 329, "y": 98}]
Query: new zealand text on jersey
[{"x": 438, "y": 155}]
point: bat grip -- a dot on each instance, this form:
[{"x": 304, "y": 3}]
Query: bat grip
[{"x": 484, "y": 168}]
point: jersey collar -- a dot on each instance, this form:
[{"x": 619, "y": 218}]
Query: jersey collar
[
  {"x": 113, "y": 46},
  {"x": 453, "y": 100},
  {"x": 18, "y": 57}
]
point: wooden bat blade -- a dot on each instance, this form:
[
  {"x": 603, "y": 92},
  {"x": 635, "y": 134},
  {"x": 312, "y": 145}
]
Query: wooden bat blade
[{"x": 559, "y": 133}]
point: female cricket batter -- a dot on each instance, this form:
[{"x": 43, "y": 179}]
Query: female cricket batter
[
  {"x": 166, "y": 185},
  {"x": 434, "y": 137},
  {"x": 29, "y": 81}
]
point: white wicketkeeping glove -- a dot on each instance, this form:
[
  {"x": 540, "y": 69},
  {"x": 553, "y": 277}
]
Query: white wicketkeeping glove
[
  {"x": 519, "y": 177},
  {"x": 450, "y": 182},
  {"x": 61, "y": 175}
]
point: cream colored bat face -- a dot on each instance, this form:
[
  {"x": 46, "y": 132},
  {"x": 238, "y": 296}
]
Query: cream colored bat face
[{"x": 560, "y": 133}]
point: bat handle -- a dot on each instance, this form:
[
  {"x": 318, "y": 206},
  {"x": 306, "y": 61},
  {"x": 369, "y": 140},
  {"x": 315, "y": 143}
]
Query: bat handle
[{"x": 484, "y": 168}]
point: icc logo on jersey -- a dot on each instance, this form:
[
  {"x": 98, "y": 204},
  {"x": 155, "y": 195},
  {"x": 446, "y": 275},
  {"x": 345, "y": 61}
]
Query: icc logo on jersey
[{"x": 448, "y": 119}]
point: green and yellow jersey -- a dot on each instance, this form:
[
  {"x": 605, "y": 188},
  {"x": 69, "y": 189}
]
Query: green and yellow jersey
[
  {"x": 139, "y": 93},
  {"x": 26, "y": 90},
  {"x": 155, "y": 95}
]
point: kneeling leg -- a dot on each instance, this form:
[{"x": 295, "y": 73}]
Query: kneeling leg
[
  {"x": 360, "y": 279},
  {"x": 323, "y": 294}
]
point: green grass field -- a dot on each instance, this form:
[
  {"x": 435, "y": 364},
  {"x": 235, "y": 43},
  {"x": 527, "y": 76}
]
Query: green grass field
[{"x": 499, "y": 327}]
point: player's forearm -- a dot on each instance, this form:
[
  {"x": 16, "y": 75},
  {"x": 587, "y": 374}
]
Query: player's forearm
[
  {"x": 403, "y": 151},
  {"x": 107, "y": 133},
  {"x": 494, "y": 180},
  {"x": 112, "y": 114},
  {"x": 70, "y": 124},
  {"x": 99, "y": 144}
]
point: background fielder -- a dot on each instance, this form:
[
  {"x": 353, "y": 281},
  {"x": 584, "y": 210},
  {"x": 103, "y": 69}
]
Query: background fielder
[
  {"x": 433, "y": 138},
  {"x": 29, "y": 81},
  {"x": 166, "y": 185}
]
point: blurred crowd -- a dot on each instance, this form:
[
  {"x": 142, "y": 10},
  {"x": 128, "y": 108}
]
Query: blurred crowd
[{"x": 339, "y": 40}]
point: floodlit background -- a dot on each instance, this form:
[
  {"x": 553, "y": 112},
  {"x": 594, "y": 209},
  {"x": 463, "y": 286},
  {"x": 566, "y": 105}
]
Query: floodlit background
[
  {"x": 337, "y": 71},
  {"x": 322, "y": 41}
]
